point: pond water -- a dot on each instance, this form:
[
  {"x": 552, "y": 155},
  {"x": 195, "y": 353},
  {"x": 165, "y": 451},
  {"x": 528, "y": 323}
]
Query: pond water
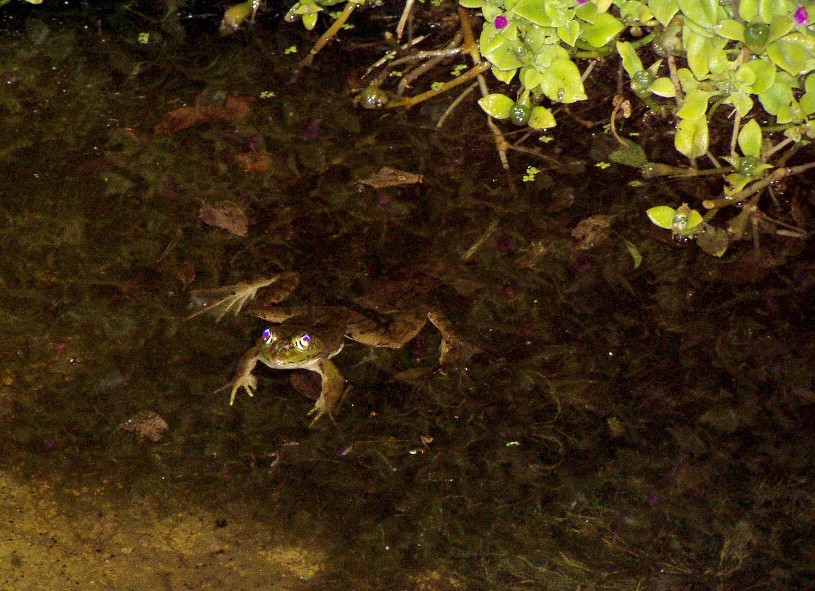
[{"x": 623, "y": 427}]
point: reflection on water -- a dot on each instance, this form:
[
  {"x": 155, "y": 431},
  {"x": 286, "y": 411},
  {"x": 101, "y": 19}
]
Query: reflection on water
[{"x": 626, "y": 428}]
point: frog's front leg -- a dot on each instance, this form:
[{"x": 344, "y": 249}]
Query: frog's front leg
[
  {"x": 331, "y": 392},
  {"x": 243, "y": 377}
]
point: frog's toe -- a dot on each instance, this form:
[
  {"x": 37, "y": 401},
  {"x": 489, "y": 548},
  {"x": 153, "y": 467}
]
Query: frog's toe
[
  {"x": 248, "y": 383},
  {"x": 320, "y": 410},
  {"x": 456, "y": 352}
]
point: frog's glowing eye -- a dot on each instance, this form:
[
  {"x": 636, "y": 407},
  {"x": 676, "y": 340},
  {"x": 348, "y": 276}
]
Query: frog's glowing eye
[
  {"x": 267, "y": 336},
  {"x": 302, "y": 342}
]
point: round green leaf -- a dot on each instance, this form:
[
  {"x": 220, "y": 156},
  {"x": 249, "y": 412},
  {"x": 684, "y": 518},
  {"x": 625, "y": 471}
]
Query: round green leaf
[
  {"x": 542, "y": 118},
  {"x": 562, "y": 83},
  {"x": 604, "y": 28},
  {"x": 788, "y": 56},
  {"x": 309, "y": 20},
  {"x": 662, "y": 216},
  {"x": 686, "y": 80},
  {"x": 498, "y": 106},
  {"x": 663, "y": 87},
  {"x": 789, "y": 113},
  {"x": 750, "y": 138},
  {"x": 780, "y": 26},
  {"x": 752, "y": 167},
  {"x": 775, "y": 98},
  {"x": 742, "y": 101},
  {"x": 504, "y": 76},
  {"x": 530, "y": 77},
  {"x": 499, "y": 48},
  {"x": 702, "y": 12},
  {"x": 735, "y": 182},
  {"x": 631, "y": 61},
  {"x": 536, "y": 12},
  {"x": 664, "y": 10},
  {"x": 730, "y": 29},
  {"x": 692, "y": 138},
  {"x": 764, "y": 71},
  {"x": 669, "y": 42},
  {"x": 745, "y": 76},
  {"x": 587, "y": 11},
  {"x": 633, "y": 12},
  {"x": 694, "y": 219},
  {"x": 547, "y": 54},
  {"x": 769, "y": 9},
  {"x": 807, "y": 103},
  {"x": 490, "y": 13},
  {"x": 695, "y": 105},
  {"x": 698, "y": 49},
  {"x": 569, "y": 32},
  {"x": 560, "y": 13},
  {"x": 748, "y": 9}
]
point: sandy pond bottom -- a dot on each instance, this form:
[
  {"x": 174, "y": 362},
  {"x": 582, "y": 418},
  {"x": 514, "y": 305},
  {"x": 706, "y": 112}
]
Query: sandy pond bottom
[{"x": 86, "y": 540}]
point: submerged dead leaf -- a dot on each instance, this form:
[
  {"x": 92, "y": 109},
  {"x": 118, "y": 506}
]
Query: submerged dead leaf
[
  {"x": 391, "y": 177},
  {"x": 254, "y": 161},
  {"x": 226, "y": 215},
  {"x": 146, "y": 425},
  {"x": 415, "y": 376},
  {"x": 233, "y": 109},
  {"x": 592, "y": 231}
]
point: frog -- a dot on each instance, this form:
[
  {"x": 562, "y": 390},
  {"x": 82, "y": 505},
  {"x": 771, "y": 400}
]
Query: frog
[{"x": 308, "y": 337}]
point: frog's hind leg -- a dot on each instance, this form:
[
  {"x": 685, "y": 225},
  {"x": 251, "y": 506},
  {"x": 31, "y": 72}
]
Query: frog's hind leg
[
  {"x": 401, "y": 329},
  {"x": 454, "y": 351}
]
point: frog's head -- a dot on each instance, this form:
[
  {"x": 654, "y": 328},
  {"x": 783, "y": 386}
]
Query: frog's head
[{"x": 292, "y": 347}]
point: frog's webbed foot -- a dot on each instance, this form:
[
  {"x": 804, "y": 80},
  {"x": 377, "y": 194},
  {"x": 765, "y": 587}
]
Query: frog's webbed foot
[
  {"x": 332, "y": 389},
  {"x": 243, "y": 377},
  {"x": 220, "y": 301},
  {"x": 247, "y": 382},
  {"x": 454, "y": 350}
]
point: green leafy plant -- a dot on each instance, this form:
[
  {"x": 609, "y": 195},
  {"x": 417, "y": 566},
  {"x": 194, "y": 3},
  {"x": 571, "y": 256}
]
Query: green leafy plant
[
  {"x": 519, "y": 112},
  {"x": 538, "y": 42},
  {"x": 687, "y": 224},
  {"x": 749, "y": 59},
  {"x": 749, "y": 65}
]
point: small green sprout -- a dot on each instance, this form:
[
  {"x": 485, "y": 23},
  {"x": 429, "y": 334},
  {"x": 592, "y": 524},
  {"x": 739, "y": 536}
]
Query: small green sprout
[{"x": 531, "y": 173}]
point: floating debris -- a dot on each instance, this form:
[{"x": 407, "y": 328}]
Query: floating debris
[{"x": 146, "y": 425}]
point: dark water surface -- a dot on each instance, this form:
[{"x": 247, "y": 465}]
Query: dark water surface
[{"x": 648, "y": 428}]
